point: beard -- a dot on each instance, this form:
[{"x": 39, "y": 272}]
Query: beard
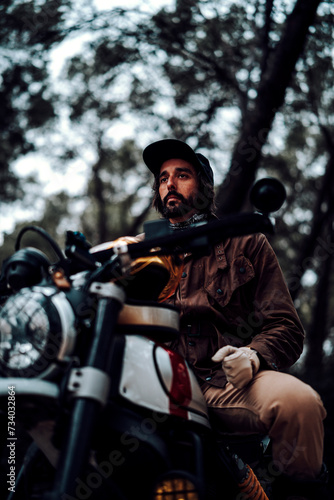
[{"x": 174, "y": 210}]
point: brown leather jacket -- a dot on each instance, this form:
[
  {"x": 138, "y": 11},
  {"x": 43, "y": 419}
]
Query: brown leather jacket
[{"x": 237, "y": 295}]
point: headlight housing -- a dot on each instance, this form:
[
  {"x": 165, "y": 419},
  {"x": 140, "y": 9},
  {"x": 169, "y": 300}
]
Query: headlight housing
[{"x": 36, "y": 332}]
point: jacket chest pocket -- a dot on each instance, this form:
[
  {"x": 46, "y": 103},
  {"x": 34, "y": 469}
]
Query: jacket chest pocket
[{"x": 226, "y": 282}]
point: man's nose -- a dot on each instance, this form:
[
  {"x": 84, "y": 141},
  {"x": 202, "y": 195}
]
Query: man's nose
[{"x": 171, "y": 183}]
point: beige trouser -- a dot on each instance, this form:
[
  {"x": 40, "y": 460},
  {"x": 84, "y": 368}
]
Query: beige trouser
[{"x": 282, "y": 406}]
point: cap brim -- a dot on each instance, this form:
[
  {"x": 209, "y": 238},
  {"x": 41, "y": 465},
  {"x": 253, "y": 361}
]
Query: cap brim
[{"x": 158, "y": 152}]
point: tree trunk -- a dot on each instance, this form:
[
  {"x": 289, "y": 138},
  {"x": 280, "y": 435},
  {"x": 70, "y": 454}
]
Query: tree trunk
[
  {"x": 98, "y": 194},
  {"x": 318, "y": 330},
  {"x": 313, "y": 241},
  {"x": 258, "y": 121}
]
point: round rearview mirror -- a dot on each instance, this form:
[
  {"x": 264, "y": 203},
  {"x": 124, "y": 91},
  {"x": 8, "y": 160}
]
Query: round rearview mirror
[{"x": 267, "y": 194}]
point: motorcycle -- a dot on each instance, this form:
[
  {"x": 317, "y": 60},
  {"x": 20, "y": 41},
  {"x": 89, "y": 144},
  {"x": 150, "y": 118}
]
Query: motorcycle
[{"x": 110, "y": 411}]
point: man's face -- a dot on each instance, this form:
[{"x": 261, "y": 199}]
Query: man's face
[{"x": 178, "y": 189}]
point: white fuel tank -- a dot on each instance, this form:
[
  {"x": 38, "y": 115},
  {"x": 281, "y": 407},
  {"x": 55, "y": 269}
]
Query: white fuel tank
[{"x": 155, "y": 377}]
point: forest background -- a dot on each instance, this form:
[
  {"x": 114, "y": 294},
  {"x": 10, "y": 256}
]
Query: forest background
[{"x": 85, "y": 86}]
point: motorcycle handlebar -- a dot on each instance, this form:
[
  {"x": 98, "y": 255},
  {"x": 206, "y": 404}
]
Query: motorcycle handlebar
[
  {"x": 160, "y": 239},
  {"x": 197, "y": 238}
]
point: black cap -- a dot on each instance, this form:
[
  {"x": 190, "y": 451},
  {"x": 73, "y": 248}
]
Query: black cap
[{"x": 158, "y": 152}]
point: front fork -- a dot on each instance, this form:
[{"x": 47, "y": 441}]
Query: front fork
[{"x": 90, "y": 386}]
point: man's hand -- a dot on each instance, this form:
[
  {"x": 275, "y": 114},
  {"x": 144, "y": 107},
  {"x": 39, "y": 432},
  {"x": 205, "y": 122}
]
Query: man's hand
[{"x": 239, "y": 364}]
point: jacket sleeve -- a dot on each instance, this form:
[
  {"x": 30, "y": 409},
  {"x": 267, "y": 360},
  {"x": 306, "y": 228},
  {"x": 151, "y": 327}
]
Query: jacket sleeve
[{"x": 280, "y": 337}]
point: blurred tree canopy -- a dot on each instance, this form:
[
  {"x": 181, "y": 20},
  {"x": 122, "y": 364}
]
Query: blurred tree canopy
[{"x": 247, "y": 82}]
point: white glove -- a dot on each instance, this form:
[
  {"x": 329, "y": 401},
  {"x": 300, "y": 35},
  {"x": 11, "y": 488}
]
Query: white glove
[{"x": 239, "y": 364}]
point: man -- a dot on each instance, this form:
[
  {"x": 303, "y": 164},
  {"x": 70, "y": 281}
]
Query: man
[{"x": 239, "y": 327}]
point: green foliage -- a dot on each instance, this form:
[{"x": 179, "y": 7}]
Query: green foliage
[{"x": 27, "y": 31}]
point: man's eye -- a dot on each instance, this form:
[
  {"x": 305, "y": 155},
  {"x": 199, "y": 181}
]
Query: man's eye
[{"x": 163, "y": 179}]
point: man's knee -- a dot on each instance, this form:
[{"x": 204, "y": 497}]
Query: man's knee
[{"x": 298, "y": 398}]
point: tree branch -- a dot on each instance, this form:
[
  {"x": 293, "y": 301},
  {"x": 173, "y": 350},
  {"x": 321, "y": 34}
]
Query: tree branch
[{"x": 258, "y": 122}]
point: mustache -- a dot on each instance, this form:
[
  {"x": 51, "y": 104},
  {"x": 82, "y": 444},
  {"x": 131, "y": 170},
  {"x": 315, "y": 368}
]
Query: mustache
[{"x": 176, "y": 195}]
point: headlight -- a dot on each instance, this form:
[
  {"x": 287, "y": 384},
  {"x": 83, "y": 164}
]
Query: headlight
[
  {"x": 176, "y": 487},
  {"x": 36, "y": 332}
]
